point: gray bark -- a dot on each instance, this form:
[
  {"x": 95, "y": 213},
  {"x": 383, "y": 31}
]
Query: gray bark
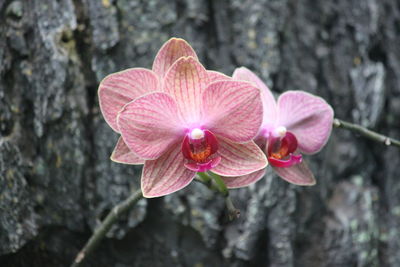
[{"x": 56, "y": 179}]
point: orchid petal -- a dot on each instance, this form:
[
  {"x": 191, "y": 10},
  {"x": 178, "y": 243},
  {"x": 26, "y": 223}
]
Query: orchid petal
[
  {"x": 244, "y": 180},
  {"x": 239, "y": 159},
  {"x": 120, "y": 88},
  {"x": 308, "y": 117},
  {"x": 170, "y": 52},
  {"x": 166, "y": 174},
  {"x": 298, "y": 174},
  {"x": 269, "y": 103},
  {"x": 233, "y": 109},
  {"x": 122, "y": 154},
  {"x": 186, "y": 81},
  {"x": 150, "y": 124},
  {"x": 217, "y": 76}
]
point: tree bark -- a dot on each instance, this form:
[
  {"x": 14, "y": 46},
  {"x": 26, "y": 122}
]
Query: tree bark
[{"x": 57, "y": 181}]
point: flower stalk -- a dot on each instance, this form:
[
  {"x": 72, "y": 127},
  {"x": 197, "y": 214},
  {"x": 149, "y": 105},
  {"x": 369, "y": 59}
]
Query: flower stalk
[
  {"x": 205, "y": 178},
  {"x": 377, "y": 137},
  {"x": 233, "y": 212},
  {"x": 215, "y": 183},
  {"x": 105, "y": 226},
  {"x": 220, "y": 184}
]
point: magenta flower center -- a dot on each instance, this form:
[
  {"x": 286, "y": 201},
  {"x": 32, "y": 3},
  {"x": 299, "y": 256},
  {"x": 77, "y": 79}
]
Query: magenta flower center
[
  {"x": 200, "y": 148},
  {"x": 281, "y": 147}
]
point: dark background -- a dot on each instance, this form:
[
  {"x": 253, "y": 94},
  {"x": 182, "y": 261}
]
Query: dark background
[{"x": 56, "y": 179}]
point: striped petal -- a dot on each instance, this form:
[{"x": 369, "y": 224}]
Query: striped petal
[
  {"x": 166, "y": 174},
  {"x": 232, "y": 109},
  {"x": 244, "y": 180},
  {"x": 269, "y": 103},
  {"x": 150, "y": 124},
  {"x": 122, "y": 154},
  {"x": 120, "y": 88},
  {"x": 298, "y": 174},
  {"x": 217, "y": 76},
  {"x": 239, "y": 159},
  {"x": 186, "y": 81},
  {"x": 308, "y": 117},
  {"x": 170, "y": 52}
]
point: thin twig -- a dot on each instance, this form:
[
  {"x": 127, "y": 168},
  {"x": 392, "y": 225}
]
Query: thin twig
[
  {"x": 102, "y": 230},
  {"x": 377, "y": 137}
]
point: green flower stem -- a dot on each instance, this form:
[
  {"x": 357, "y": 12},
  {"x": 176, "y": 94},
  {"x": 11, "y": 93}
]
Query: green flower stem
[
  {"x": 220, "y": 184},
  {"x": 105, "y": 226},
  {"x": 211, "y": 183},
  {"x": 377, "y": 137},
  {"x": 204, "y": 177},
  {"x": 233, "y": 212}
]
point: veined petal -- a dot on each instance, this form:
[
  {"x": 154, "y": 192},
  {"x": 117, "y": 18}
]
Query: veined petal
[
  {"x": 122, "y": 154},
  {"x": 217, "y": 76},
  {"x": 269, "y": 103},
  {"x": 150, "y": 124},
  {"x": 171, "y": 51},
  {"x": 166, "y": 174},
  {"x": 298, "y": 174},
  {"x": 239, "y": 159},
  {"x": 185, "y": 82},
  {"x": 120, "y": 88},
  {"x": 244, "y": 180},
  {"x": 232, "y": 109},
  {"x": 308, "y": 117}
]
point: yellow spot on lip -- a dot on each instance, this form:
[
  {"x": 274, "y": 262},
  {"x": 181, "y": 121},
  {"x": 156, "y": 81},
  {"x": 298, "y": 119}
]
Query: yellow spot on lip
[
  {"x": 201, "y": 156},
  {"x": 281, "y": 152}
]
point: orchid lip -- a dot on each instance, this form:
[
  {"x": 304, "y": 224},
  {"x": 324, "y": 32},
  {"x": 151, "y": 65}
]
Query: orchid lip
[
  {"x": 293, "y": 160},
  {"x": 281, "y": 149},
  {"x": 200, "y": 147},
  {"x": 203, "y": 167}
]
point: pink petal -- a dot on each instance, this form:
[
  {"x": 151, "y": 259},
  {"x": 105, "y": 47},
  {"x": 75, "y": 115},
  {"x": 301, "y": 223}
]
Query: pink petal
[
  {"x": 298, "y": 174},
  {"x": 217, "y": 76},
  {"x": 166, "y": 174},
  {"x": 239, "y": 159},
  {"x": 122, "y": 154},
  {"x": 233, "y": 109},
  {"x": 150, "y": 124},
  {"x": 269, "y": 103},
  {"x": 308, "y": 117},
  {"x": 186, "y": 81},
  {"x": 171, "y": 51},
  {"x": 244, "y": 180},
  {"x": 120, "y": 88}
]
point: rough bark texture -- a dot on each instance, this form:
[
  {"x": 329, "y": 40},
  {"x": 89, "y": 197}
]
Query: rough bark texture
[{"x": 56, "y": 179}]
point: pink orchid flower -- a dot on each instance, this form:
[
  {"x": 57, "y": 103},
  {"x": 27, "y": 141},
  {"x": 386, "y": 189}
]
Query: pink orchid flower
[
  {"x": 118, "y": 89},
  {"x": 297, "y": 123},
  {"x": 179, "y": 119}
]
